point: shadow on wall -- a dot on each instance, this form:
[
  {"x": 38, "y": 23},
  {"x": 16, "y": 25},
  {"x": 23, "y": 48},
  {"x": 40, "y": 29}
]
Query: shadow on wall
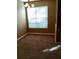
[{"x": 21, "y": 19}]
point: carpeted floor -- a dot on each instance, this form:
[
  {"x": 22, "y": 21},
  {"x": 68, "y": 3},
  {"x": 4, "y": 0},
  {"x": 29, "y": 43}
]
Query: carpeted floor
[{"x": 31, "y": 46}]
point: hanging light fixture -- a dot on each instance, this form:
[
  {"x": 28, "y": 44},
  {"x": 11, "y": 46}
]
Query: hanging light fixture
[
  {"x": 27, "y": 4},
  {"x": 32, "y": 5}
]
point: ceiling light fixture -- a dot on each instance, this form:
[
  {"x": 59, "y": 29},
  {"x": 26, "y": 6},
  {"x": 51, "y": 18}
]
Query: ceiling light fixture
[
  {"x": 32, "y": 5},
  {"x": 27, "y": 4}
]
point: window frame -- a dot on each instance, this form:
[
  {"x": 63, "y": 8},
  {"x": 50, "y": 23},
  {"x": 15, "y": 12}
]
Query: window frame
[{"x": 38, "y": 18}]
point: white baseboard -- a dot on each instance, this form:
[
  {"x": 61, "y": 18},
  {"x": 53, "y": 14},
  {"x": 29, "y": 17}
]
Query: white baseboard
[
  {"x": 22, "y": 36},
  {"x": 35, "y": 33},
  {"x": 41, "y": 33}
]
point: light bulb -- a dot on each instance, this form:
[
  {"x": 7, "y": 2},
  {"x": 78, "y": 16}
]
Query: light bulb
[
  {"x": 32, "y": 5},
  {"x": 26, "y": 5}
]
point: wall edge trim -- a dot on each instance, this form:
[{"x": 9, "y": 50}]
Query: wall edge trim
[
  {"x": 42, "y": 33},
  {"x": 22, "y": 36},
  {"x": 34, "y": 34}
]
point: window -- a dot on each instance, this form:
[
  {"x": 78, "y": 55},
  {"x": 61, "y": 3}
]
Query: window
[{"x": 38, "y": 17}]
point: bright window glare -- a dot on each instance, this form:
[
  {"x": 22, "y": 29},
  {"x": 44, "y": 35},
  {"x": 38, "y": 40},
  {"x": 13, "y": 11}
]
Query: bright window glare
[
  {"x": 52, "y": 49},
  {"x": 38, "y": 17}
]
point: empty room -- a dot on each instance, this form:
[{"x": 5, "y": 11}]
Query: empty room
[{"x": 38, "y": 29}]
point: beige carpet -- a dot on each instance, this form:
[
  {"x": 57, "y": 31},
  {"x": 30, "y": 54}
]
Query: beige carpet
[{"x": 31, "y": 46}]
